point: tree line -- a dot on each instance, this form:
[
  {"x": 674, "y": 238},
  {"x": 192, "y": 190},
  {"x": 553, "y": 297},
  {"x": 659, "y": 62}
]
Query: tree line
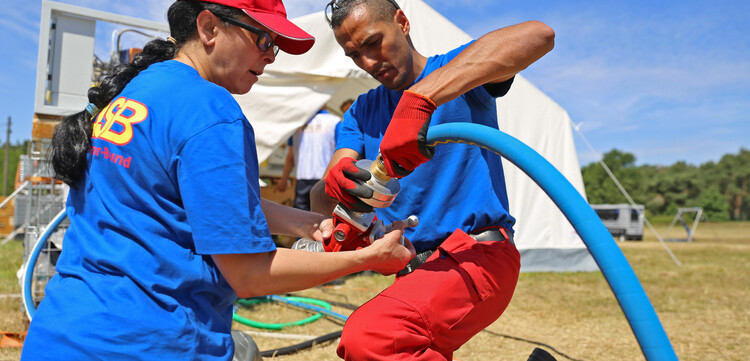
[
  {"x": 14, "y": 155},
  {"x": 721, "y": 188}
]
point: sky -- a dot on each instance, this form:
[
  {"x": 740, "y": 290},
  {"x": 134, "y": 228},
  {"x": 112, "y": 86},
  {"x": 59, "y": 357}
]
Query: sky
[{"x": 665, "y": 80}]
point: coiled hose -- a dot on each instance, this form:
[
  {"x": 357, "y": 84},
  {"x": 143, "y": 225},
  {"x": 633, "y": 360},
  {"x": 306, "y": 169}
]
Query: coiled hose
[{"x": 279, "y": 325}]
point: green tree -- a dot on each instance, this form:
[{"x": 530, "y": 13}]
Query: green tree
[
  {"x": 679, "y": 185},
  {"x": 15, "y": 155},
  {"x": 714, "y": 204},
  {"x": 734, "y": 172},
  {"x": 600, "y": 188}
]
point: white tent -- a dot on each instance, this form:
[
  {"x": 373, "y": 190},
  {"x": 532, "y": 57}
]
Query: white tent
[{"x": 294, "y": 87}]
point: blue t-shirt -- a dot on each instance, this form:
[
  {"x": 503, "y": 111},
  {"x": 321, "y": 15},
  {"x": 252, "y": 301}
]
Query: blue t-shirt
[
  {"x": 172, "y": 179},
  {"x": 462, "y": 186}
]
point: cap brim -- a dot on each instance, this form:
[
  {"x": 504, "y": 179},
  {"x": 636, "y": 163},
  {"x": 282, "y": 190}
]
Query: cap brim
[{"x": 291, "y": 38}]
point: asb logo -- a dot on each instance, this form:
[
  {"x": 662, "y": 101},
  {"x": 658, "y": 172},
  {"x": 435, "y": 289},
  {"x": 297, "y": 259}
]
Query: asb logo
[{"x": 115, "y": 123}]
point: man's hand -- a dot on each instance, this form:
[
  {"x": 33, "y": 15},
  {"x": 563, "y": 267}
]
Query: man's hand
[
  {"x": 345, "y": 183},
  {"x": 281, "y": 185},
  {"x": 404, "y": 144}
]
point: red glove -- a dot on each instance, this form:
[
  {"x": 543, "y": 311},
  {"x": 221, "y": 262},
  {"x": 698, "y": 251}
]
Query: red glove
[
  {"x": 345, "y": 183},
  {"x": 404, "y": 144}
]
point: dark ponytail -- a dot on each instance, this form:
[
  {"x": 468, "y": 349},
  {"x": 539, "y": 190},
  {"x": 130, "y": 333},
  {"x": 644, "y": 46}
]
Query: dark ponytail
[{"x": 71, "y": 140}]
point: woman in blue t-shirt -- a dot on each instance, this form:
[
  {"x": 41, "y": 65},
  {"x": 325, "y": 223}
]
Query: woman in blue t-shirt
[{"x": 167, "y": 227}]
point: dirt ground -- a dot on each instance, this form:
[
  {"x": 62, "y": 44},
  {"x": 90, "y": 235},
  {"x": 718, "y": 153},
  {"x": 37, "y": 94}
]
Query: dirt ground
[{"x": 704, "y": 306}]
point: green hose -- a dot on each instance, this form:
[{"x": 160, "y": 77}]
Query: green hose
[{"x": 278, "y": 326}]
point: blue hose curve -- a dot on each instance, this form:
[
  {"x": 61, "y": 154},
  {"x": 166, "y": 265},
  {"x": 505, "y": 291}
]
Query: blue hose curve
[
  {"x": 29, "y": 272},
  {"x": 617, "y": 271}
]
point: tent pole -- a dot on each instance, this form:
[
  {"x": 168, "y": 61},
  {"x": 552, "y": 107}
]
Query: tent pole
[
  {"x": 674, "y": 221},
  {"x": 695, "y": 223}
]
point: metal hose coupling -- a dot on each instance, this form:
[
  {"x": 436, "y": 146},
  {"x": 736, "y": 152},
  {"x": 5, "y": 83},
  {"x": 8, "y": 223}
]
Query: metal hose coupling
[{"x": 384, "y": 188}]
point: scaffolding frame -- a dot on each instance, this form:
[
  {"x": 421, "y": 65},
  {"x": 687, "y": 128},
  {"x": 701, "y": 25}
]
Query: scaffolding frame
[
  {"x": 38, "y": 200},
  {"x": 690, "y": 230}
]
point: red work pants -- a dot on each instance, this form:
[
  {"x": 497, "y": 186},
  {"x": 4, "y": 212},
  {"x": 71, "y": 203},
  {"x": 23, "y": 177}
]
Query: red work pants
[{"x": 431, "y": 312}]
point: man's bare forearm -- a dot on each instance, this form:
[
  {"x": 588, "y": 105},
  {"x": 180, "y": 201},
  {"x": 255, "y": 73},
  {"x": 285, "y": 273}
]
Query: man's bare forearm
[
  {"x": 278, "y": 218},
  {"x": 493, "y": 58},
  {"x": 320, "y": 202}
]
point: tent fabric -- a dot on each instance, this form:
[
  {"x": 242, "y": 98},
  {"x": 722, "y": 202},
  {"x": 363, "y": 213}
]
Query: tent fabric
[{"x": 294, "y": 87}]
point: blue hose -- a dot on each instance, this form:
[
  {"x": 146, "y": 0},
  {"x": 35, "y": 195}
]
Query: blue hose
[
  {"x": 617, "y": 271},
  {"x": 308, "y": 307},
  {"x": 29, "y": 274}
]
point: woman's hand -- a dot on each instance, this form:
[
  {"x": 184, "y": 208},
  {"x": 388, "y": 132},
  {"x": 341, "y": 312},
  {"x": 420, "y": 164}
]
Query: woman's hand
[
  {"x": 391, "y": 253},
  {"x": 321, "y": 230}
]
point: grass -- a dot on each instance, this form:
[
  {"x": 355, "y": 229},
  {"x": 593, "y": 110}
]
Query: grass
[
  {"x": 704, "y": 305},
  {"x": 12, "y": 317}
]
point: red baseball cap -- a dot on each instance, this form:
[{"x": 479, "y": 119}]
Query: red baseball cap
[{"x": 272, "y": 14}]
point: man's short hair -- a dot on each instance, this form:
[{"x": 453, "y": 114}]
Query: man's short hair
[{"x": 338, "y": 10}]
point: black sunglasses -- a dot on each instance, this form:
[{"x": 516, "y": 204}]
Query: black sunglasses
[{"x": 264, "y": 42}]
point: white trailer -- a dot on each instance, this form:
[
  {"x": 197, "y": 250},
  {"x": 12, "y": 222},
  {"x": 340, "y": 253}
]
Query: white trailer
[{"x": 622, "y": 220}]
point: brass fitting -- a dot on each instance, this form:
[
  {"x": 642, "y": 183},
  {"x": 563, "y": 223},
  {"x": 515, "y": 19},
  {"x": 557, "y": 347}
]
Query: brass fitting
[{"x": 377, "y": 169}]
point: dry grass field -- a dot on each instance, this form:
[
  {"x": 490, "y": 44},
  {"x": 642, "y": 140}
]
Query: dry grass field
[{"x": 704, "y": 306}]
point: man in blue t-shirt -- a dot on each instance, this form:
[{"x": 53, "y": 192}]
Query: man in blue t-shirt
[
  {"x": 467, "y": 265},
  {"x": 309, "y": 150}
]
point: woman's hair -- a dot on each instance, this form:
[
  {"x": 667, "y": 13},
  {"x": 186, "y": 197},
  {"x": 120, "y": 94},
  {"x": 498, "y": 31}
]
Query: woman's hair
[{"x": 71, "y": 141}]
